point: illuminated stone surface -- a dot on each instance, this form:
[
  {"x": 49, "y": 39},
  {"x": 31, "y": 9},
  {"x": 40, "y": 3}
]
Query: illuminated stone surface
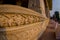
[{"x": 18, "y": 23}]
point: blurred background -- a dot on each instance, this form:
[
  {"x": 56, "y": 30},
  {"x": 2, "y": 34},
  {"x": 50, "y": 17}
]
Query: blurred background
[
  {"x": 55, "y": 12},
  {"x": 55, "y": 6}
]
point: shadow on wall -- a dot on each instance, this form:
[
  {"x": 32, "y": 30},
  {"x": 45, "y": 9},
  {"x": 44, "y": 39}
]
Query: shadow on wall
[{"x": 3, "y": 35}]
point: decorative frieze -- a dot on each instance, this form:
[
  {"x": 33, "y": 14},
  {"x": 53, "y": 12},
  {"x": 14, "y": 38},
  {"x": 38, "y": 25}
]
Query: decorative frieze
[{"x": 17, "y": 19}]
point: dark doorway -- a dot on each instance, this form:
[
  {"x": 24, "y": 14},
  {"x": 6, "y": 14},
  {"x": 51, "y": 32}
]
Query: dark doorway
[
  {"x": 9, "y": 2},
  {"x": 23, "y": 3}
]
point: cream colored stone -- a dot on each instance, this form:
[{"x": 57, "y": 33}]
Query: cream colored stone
[{"x": 18, "y": 23}]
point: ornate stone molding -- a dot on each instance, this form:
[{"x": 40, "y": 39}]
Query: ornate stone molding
[
  {"x": 17, "y": 19},
  {"x": 18, "y": 23}
]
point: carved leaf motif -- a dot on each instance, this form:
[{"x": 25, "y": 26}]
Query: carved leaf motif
[{"x": 16, "y": 19}]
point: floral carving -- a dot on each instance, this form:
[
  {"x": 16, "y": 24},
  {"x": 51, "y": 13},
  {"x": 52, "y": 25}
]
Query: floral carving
[{"x": 17, "y": 19}]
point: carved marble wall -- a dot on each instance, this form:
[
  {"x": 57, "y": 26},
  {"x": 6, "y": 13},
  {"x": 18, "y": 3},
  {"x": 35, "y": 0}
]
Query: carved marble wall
[{"x": 18, "y": 23}]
